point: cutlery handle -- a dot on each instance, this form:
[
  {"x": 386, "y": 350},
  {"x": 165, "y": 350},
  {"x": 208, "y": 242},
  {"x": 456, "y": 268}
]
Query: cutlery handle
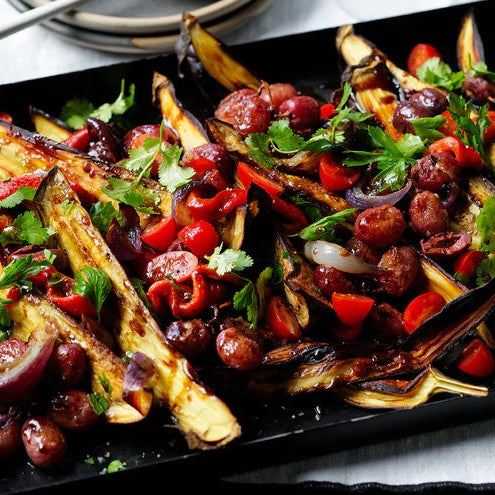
[{"x": 37, "y": 15}]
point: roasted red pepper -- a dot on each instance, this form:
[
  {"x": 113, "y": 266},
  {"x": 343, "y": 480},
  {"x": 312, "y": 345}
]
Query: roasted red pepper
[
  {"x": 159, "y": 235},
  {"x": 248, "y": 174},
  {"x": 63, "y": 296},
  {"x": 10, "y": 186},
  {"x": 220, "y": 205},
  {"x": 200, "y": 237},
  {"x": 183, "y": 301}
]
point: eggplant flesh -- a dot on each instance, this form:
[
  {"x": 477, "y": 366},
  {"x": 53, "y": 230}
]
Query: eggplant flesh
[
  {"x": 48, "y": 126},
  {"x": 204, "y": 419},
  {"x": 469, "y": 45}
]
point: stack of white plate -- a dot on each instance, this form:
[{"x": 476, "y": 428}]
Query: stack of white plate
[{"x": 147, "y": 26}]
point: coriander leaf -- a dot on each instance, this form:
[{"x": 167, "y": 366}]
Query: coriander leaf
[
  {"x": 229, "y": 260},
  {"x": 25, "y": 229},
  {"x": 94, "y": 284},
  {"x": 5, "y": 319},
  {"x": 481, "y": 69},
  {"x": 16, "y": 273},
  {"x": 141, "y": 158},
  {"x": 102, "y": 214},
  {"x": 283, "y": 138},
  {"x": 325, "y": 139},
  {"x": 439, "y": 73},
  {"x": 485, "y": 271},
  {"x": 325, "y": 227},
  {"x": 427, "y": 128},
  {"x": 132, "y": 193},
  {"x": 170, "y": 173},
  {"x": 18, "y": 197},
  {"x": 310, "y": 210},
  {"x": 392, "y": 161},
  {"x": 485, "y": 223},
  {"x": 106, "y": 111},
  {"x": 75, "y": 111},
  {"x": 99, "y": 403},
  {"x": 258, "y": 141},
  {"x": 247, "y": 299}
]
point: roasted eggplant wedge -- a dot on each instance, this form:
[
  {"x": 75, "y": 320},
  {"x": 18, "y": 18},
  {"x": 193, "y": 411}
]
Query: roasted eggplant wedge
[
  {"x": 406, "y": 394},
  {"x": 204, "y": 419},
  {"x": 203, "y": 52}
]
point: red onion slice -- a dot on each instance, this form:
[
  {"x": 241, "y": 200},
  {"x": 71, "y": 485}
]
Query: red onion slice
[
  {"x": 139, "y": 371},
  {"x": 358, "y": 199},
  {"x": 20, "y": 376}
]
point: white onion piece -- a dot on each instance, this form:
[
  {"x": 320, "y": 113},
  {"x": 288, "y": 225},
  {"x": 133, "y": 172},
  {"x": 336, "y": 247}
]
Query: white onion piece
[
  {"x": 330, "y": 254},
  {"x": 138, "y": 373},
  {"x": 19, "y": 377}
]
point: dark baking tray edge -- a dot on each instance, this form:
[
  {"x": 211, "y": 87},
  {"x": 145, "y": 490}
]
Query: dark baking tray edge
[{"x": 285, "y": 430}]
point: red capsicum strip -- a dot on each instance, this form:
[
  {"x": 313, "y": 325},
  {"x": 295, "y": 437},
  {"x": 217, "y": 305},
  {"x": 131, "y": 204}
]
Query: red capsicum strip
[
  {"x": 182, "y": 303},
  {"x": 219, "y": 206},
  {"x": 63, "y": 296}
]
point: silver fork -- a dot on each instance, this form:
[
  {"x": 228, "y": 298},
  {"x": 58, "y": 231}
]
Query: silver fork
[{"x": 36, "y": 16}]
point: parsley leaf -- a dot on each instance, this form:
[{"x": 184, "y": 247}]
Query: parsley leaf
[
  {"x": 439, "y": 73},
  {"x": 5, "y": 319},
  {"x": 18, "y": 197},
  {"x": 16, "y": 273},
  {"x": 229, "y": 260},
  {"x": 102, "y": 214},
  {"x": 94, "y": 284},
  {"x": 25, "y": 229},
  {"x": 325, "y": 227},
  {"x": 75, "y": 111},
  {"x": 392, "y": 161}
]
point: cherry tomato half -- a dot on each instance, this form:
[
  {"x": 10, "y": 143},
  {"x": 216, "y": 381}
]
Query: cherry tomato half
[
  {"x": 421, "y": 308},
  {"x": 78, "y": 140},
  {"x": 337, "y": 177},
  {"x": 200, "y": 237},
  {"x": 419, "y": 54},
  {"x": 326, "y": 111},
  {"x": 159, "y": 235},
  {"x": 476, "y": 359},
  {"x": 281, "y": 319},
  {"x": 351, "y": 309}
]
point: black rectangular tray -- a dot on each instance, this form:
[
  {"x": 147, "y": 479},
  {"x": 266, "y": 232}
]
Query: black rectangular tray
[{"x": 278, "y": 430}]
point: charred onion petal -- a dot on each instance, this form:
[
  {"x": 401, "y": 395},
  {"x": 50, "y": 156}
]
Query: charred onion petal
[
  {"x": 445, "y": 244},
  {"x": 20, "y": 376},
  {"x": 331, "y": 254},
  {"x": 125, "y": 241},
  {"x": 357, "y": 198},
  {"x": 103, "y": 143},
  {"x": 137, "y": 375}
]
